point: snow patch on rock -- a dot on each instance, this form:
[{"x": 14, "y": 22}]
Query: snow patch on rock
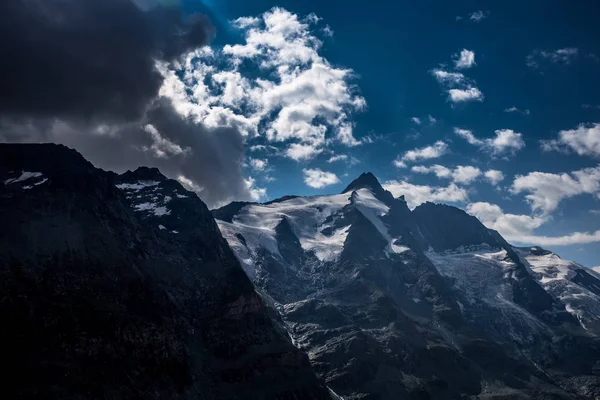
[
  {"x": 373, "y": 209},
  {"x": 483, "y": 276},
  {"x": 557, "y": 277},
  {"x": 153, "y": 208},
  {"x": 25, "y": 175},
  {"x": 137, "y": 186}
]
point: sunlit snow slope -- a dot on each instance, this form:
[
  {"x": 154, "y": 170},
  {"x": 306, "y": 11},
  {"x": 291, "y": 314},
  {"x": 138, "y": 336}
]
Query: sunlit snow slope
[{"x": 392, "y": 303}]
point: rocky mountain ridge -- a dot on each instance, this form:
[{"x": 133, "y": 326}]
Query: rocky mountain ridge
[
  {"x": 121, "y": 286},
  {"x": 392, "y": 303},
  {"x": 124, "y": 286}
]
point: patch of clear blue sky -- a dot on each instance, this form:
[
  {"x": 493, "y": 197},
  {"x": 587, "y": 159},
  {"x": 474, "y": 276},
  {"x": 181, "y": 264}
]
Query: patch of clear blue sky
[{"x": 392, "y": 46}]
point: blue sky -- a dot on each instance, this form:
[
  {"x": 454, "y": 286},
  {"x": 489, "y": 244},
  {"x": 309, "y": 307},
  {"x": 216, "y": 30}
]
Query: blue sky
[{"x": 430, "y": 96}]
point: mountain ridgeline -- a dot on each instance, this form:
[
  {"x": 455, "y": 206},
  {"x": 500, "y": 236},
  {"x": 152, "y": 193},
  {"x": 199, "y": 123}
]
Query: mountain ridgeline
[
  {"x": 122, "y": 287},
  {"x": 393, "y": 303},
  {"x": 127, "y": 286}
]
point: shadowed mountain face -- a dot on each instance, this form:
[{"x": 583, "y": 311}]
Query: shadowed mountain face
[
  {"x": 121, "y": 287},
  {"x": 391, "y": 303}
]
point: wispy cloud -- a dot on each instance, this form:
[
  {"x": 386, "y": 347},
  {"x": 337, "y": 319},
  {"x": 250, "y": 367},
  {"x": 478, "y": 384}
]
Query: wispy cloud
[
  {"x": 463, "y": 174},
  {"x": 436, "y": 150},
  {"x": 340, "y": 157},
  {"x": 514, "y": 109},
  {"x": 563, "y": 56},
  {"x": 591, "y": 106},
  {"x": 506, "y": 142},
  {"x": 478, "y": 16},
  {"x": 460, "y": 89},
  {"x": 350, "y": 160}
]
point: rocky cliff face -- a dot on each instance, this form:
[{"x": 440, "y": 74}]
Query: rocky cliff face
[
  {"x": 391, "y": 303},
  {"x": 121, "y": 287}
]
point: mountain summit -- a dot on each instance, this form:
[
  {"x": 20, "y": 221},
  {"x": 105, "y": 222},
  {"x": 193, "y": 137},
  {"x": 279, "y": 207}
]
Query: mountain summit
[
  {"x": 393, "y": 303},
  {"x": 367, "y": 180},
  {"x": 124, "y": 286}
]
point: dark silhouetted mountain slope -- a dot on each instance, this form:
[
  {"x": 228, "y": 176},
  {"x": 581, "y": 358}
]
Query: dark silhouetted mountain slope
[{"x": 122, "y": 287}]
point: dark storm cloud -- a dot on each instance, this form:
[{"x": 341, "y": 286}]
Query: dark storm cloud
[
  {"x": 89, "y": 59},
  {"x": 211, "y": 158},
  {"x": 82, "y": 73}
]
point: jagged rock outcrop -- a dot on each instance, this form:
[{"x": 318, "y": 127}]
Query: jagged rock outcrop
[
  {"x": 391, "y": 303},
  {"x": 122, "y": 287}
]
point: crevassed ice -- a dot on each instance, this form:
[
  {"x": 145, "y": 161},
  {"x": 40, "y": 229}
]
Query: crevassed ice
[
  {"x": 307, "y": 216},
  {"x": 555, "y": 274},
  {"x": 551, "y": 267},
  {"x": 484, "y": 277}
]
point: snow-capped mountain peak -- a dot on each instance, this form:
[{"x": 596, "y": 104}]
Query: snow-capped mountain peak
[
  {"x": 362, "y": 282},
  {"x": 368, "y": 181}
]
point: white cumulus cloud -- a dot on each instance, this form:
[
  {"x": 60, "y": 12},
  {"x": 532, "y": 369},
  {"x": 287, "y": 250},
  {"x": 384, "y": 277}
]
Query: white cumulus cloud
[
  {"x": 258, "y": 164},
  {"x": 464, "y": 174},
  {"x": 465, "y": 59},
  {"x": 519, "y": 229},
  {"x": 494, "y": 176},
  {"x": 436, "y": 150},
  {"x": 302, "y": 152},
  {"x": 544, "y": 191},
  {"x": 448, "y": 78},
  {"x": 299, "y": 99},
  {"x": 583, "y": 140},
  {"x": 256, "y": 193},
  {"x": 319, "y": 179},
  {"x": 506, "y": 142},
  {"x": 460, "y": 89},
  {"x": 466, "y": 94},
  {"x": 418, "y": 194}
]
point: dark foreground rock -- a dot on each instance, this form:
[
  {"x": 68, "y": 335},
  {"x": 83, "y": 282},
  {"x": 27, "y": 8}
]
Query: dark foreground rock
[{"x": 106, "y": 296}]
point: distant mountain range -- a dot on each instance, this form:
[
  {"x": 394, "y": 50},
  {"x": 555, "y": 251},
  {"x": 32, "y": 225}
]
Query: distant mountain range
[{"x": 124, "y": 286}]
